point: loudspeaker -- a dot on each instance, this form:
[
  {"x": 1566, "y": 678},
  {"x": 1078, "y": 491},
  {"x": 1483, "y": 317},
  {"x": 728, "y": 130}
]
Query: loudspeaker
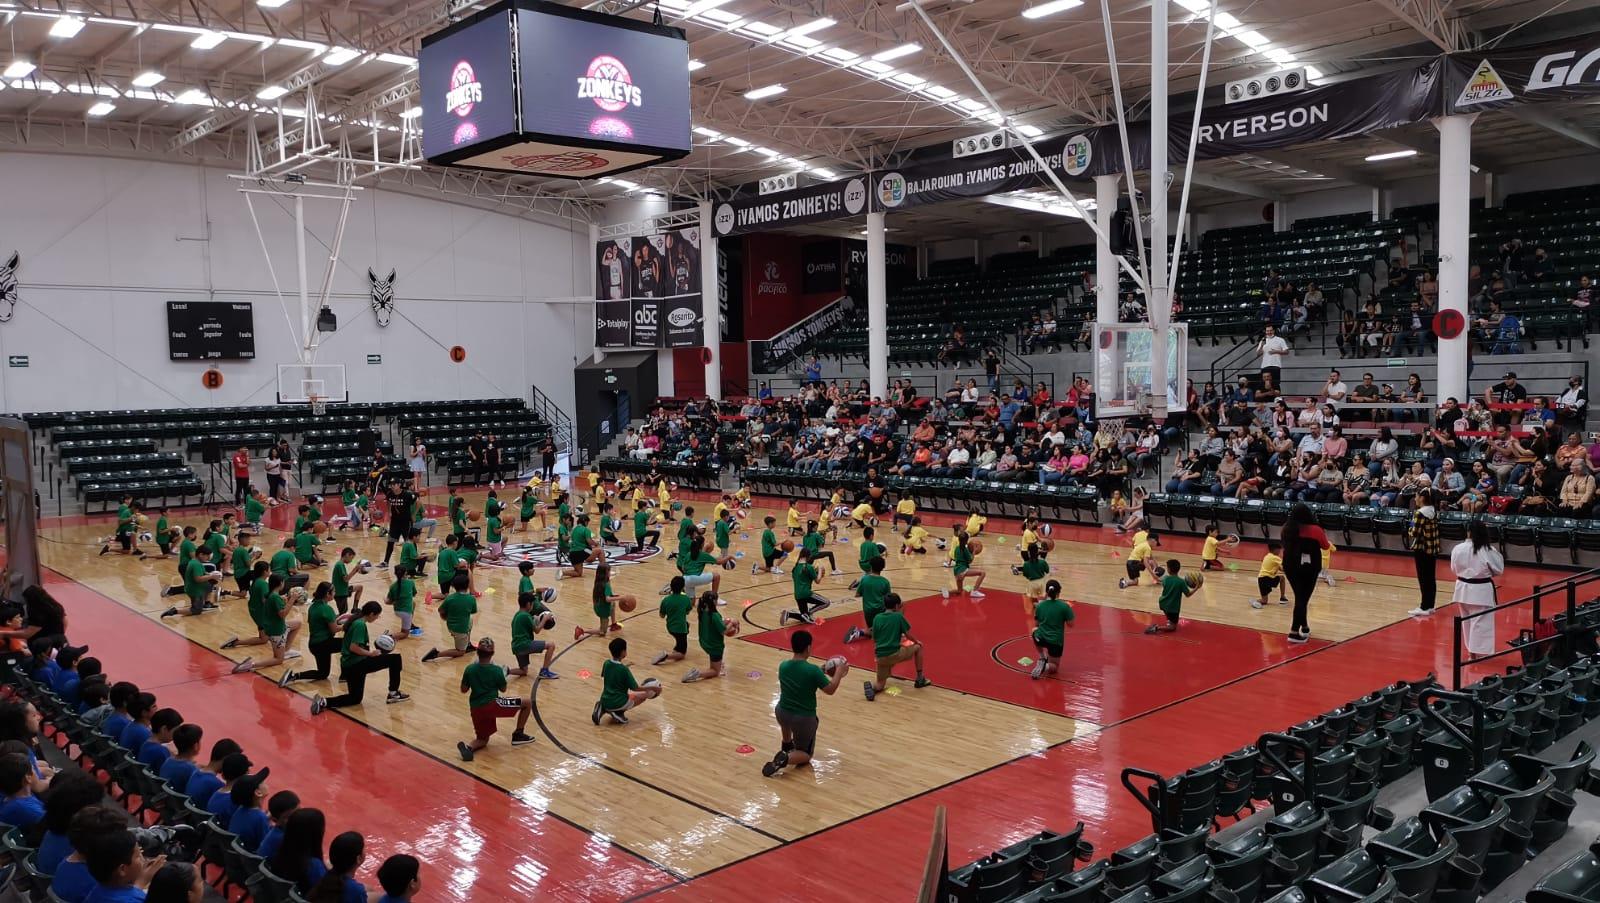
[
  {"x": 326, "y": 321},
  {"x": 366, "y": 442},
  {"x": 211, "y": 450},
  {"x": 1120, "y": 237}
]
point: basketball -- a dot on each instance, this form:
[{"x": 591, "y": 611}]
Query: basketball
[
  {"x": 732, "y": 629},
  {"x": 831, "y": 666},
  {"x": 976, "y": 547},
  {"x": 546, "y": 620},
  {"x": 142, "y": 519},
  {"x": 1046, "y": 529},
  {"x": 384, "y": 643},
  {"x": 788, "y": 545},
  {"x": 627, "y": 604},
  {"x": 677, "y": 506},
  {"x": 882, "y": 549},
  {"x": 649, "y": 683},
  {"x": 728, "y": 565},
  {"x": 365, "y": 566},
  {"x": 475, "y": 516},
  {"x": 377, "y": 531},
  {"x": 1196, "y": 579},
  {"x": 344, "y": 619},
  {"x": 146, "y": 537},
  {"x": 1232, "y": 539}
]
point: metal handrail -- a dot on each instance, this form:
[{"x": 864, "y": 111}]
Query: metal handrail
[{"x": 1567, "y": 589}]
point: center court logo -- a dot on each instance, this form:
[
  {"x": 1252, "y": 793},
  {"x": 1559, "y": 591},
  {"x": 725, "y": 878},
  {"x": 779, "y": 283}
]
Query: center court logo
[
  {"x": 1077, "y": 155},
  {"x": 546, "y": 555},
  {"x": 892, "y": 189}
]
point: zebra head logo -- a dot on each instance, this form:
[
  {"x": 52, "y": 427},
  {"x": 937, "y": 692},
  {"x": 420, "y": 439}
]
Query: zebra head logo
[
  {"x": 382, "y": 296},
  {"x": 8, "y": 287}
]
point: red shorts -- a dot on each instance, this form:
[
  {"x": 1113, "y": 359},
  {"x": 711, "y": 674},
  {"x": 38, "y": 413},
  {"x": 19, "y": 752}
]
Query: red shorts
[{"x": 484, "y": 716}]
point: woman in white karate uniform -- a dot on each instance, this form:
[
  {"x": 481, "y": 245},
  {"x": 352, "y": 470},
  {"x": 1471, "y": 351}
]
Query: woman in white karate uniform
[{"x": 1475, "y": 564}]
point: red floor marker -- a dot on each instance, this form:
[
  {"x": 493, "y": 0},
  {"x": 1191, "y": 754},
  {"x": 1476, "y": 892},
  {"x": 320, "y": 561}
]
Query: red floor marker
[
  {"x": 585, "y": 674},
  {"x": 744, "y": 749}
]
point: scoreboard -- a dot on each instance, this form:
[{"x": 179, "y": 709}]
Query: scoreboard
[{"x": 210, "y": 330}]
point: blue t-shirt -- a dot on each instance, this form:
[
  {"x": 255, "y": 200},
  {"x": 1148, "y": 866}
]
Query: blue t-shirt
[
  {"x": 353, "y": 891},
  {"x": 315, "y": 870},
  {"x": 153, "y": 755},
  {"x": 251, "y": 824},
  {"x": 66, "y": 685},
  {"x": 115, "y": 724},
  {"x": 177, "y": 773},
  {"x": 221, "y": 808},
  {"x": 52, "y": 849},
  {"x": 133, "y": 736},
  {"x": 202, "y": 784},
  {"x": 103, "y": 894},
  {"x": 72, "y": 881},
  {"x": 48, "y": 673},
  {"x": 22, "y": 811},
  {"x": 270, "y": 843}
]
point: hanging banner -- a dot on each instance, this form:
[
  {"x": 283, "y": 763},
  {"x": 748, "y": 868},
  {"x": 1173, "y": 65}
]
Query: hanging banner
[
  {"x": 772, "y": 355},
  {"x": 646, "y": 319},
  {"x": 612, "y": 321},
  {"x": 613, "y": 271},
  {"x": 649, "y": 288},
  {"x": 747, "y": 211},
  {"x": 1567, "y": 69}
]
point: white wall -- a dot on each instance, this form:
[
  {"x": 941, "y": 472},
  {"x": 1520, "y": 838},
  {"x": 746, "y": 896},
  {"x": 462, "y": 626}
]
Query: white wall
[{"x": 105, "y": 243}]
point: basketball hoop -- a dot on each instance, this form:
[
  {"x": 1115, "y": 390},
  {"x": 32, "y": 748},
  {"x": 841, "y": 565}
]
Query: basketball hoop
[{"x": 319, "y": 405}]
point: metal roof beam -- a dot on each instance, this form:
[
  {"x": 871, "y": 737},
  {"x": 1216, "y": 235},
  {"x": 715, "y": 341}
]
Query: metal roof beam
[{"x": 1554, "y": 125}]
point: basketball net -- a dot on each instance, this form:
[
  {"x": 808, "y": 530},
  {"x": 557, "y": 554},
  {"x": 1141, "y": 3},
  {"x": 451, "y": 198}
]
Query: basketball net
[{"x": 319, "y": 405}]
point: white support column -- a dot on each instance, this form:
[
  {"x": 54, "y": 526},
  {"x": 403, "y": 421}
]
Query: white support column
[
  {"x": 1107, "y": 278},
  {"x": 1455, "y": 201},
  {"x": 1159, "y": 301},
  {"x": 877, "y": 308},
  {"x": 1280, "y": 215},
  {"x": 1491, "y": 190},
  {"x": 594, "y": 286},
  {"x": 1382, "y": 204},
  {"x": 710, "y": 306}
]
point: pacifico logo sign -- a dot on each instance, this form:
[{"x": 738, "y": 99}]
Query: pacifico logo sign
[
  {"x": 772, "y": 281},
  {"x": 465, "y": 93}
]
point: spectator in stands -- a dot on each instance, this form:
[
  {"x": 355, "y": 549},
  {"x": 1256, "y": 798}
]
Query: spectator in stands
[
  {"x": 1272, "y": 347},
  {"x": 1334, "y": 388},
  {"x": 1508, "y": 335},
  {"x": 1349, "y": 335},
  {"x": 1373, "y": 330},
  {"x": 1297, "y": 318},
  {"x": 991, "y": 367},
  {"x": 1401, "y": 280},
  {"x": 1428, "y": 291},
  {"x": 813, "y": 370},
  {"x": 1540, "y": 486},
  {"x": 1572, "y": 406},
  {"x": 1449, "y": 483},
  {"x": 1479, "y": 489},
  {"x": 299, "y": 857},
  {"x": 1414, "y": 329},
  {"x": 955, "y": 346},
  {"x": 1208, "y": 407},
  {"x": 1571, "y": 450},
  {"x": 1488, "y": 325},
  {"x": 1506, "y": 392},
  {"x": 1271, "y": 314},
  {"x": 1315, "y": 302},
  {"x": 1146, "y": 450},
  {"x": 1187, "y": 477},
  {"x": 1336, "y": 447},
  {"x": 1229, "y": 475},
  {"x": 1577, "y": 492},
  {"x": 1239, "y": 408},
  {"x": 1211, "y": 447},
  {"x": 1537, "y": 268}
]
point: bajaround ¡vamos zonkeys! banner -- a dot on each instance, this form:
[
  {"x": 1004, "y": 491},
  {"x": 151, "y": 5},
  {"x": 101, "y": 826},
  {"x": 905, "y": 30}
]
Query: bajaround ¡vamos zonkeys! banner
[{"x": 815, "y": 203}]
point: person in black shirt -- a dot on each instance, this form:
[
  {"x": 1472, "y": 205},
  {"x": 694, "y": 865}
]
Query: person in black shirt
[
  {"x": 402, "y": 502},
  {"x": 475, "y": 455},
  {"x": 494, "y": 460},
  {"x": 548, "y": 456},
  {"x": 1507, "y": 391}
]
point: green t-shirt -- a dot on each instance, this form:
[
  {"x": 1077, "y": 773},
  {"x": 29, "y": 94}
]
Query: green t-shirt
[
  {"x": 1052, "y": 616},
  {"x": 348, "y": 497},
  {"x": 798, "y": 683},
  {"x": 163, "y": 534},
  {"x": 254, "y": 508},
  {"x": 1035, "y": 569},
  {"x": 1173, "y": 588},
  {"x": 458, "y": 518},
  {"x": 803, "y": 576},
  {"x": 457, "y": 610},
  {"x": 712, "y": 632},
  {"x": 521, "y": 631},
  {"x": 257, "y": 602},
  {"x": 963, "y": 559},
  {"x": 185, "y": 553},
  {"x": 887, "y": 629},
  {"x": 241, "y": 561},
  {"x": 282, "y": 563},
  {"x": 724, "y": 533},
  {"x": 124, "y": 521},
  {"x": 354, "y": 635},
  {"x": 869, "y": 551},
  {"x": 603, "y": 606},
  {"x": 694, "y": 564},
  {"x": 216, "y": 542},
  {"x": 769, "y": 543},
  {"x": 341, "y": 578},
  {"x": 675, "y": 608},
  {"x": 305, "y": 548},
  {"x": 492, "y": 507},
  {"x": 873, "y": 588},
  {"x": 272, "y": 623},
  {"x": 492, "y": 528},
  {"x": 529, "y": 506},
  {"x": 319, "y": 620},
  {"x": 641, "y": 523},
  {"x": 402, "y": 595},
  {"x": 618, "y": 681},
  {"x": 447, "y": 565},
  {"x": 408, "y": 556},
  {"x": 483, "y": 683},
  {"x": 811, "y": 542},
  {"x": 685, "y": 530},
  {"x": 300, "y": 524},
  {"x": 313, "y": 514},
  {"x": 580, "y": 539},
  {"x": 563, "y": 539},
  {"x": 193, "y": 586}
]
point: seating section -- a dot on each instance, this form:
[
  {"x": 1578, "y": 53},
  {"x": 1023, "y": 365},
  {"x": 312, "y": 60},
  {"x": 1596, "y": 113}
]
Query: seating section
[
  {"x": 1495, "y": 794},
  {"x": 447, "y": 435}
]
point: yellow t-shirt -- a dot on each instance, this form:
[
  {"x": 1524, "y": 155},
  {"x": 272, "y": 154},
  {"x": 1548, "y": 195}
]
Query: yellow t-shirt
[
  {"x": 1141, "y": 536},
  {"x": 1327, "y": 555},
  {"x": 717, "y": 512},
  {"x": 1209, "y": 552},
  {"x": 1141, "y": 551},
  {"x": 624, "y": 483},
  {"x": 743, "y": 495},
  {"x": 906, "y": 506},
  {"x": 1271, "y": 566},
  {"x": 663, "y": 494},
  {"x": 861, "y": 512},
  {"x": 916, "y": 536},
  {"x": 794, "y": 518},
  {"x": 836, "y": 499},
  {"x": 638, "y": 495},
  {"x": 1029, "y": 538},
  {"x": 975, "y": 524},
  {"x": 824, "y": 520},
  {"x": 594, "y": 480}
]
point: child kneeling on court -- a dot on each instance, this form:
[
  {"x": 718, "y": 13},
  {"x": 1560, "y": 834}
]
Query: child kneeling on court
[
  {"x": 887, "y": 630},
  {"x": 675, "y": 607},
  {"x": 1173, "y": 589},
  {"x": 1270, "y": 576},
  {"x": 532, "y": 616},
  {"x": 483, "y": 680},
  {"x": 1050, "y": 616},
  {"x": 621, "y": 692},
  {"x": 713, "y": 632}
]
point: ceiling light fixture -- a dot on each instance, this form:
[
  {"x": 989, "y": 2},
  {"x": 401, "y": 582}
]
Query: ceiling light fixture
[
  {"x": 765, "y": 92},
  {"x": 894, "y": 53},
  {"x": 19, "y": 69},
  {"x": 815, "y": 25},
  {"x": 411, "y": 113},
  {"x": 1049, "y": 9},
  {"x": 101, "y": 108},
  {"x": 66, "y": 27},
  {"x": 193, "y": 97},
  {"x": 696, "y": 65},
  {"x": 271, "y": 92},
  {"x": 1391, "y": 155},
  {"x": 340, "y": 56},
  {"x": 700, "y": 6},
  {"x": 271, "y": 4},
  {"x": 148, "y": 79},
  {"x": 207, "y": 40}
]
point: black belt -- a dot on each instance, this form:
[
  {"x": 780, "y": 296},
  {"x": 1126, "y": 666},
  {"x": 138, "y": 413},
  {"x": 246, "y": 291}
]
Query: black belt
[{"x": 1476, "y": 581}]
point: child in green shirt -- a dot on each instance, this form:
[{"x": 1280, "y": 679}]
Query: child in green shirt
[
  {"x": 1051, "y": 616},
  {"x": 620, "y": 692},
  {"x": 675, "y": 607},
  {"x": 770, "y": 553},
  {"x": 889, "y": 628},
  {"x": 1173, "y": 590},
  {"x": 714, "y": 632},
  {"x": 532, "y": 616},
  {"x": 482, "y": 681}
]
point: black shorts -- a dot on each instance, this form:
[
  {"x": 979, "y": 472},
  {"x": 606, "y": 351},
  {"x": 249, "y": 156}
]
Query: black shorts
[
  {"x": 680, "y": 643},
  {"x": 1135, "y": 568},
  {"x": 242, "y": 582},
  {"x": 125, "y": 540},
  {"x": 444, "y": 585},
  {"x": 775, "y": 556},
  {"x": 577, "y": 558},
  {"x": 802, "y": 729},
  {"x": 1051, "y": 649},
  {"x": 1267, "y": 584}
]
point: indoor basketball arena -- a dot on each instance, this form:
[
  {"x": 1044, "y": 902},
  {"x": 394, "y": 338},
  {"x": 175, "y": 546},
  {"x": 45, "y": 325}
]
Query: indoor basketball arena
[{"x": 955, "y": 451}]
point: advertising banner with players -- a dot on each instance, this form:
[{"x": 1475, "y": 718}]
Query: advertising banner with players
[{"x": 648, "y": 290}]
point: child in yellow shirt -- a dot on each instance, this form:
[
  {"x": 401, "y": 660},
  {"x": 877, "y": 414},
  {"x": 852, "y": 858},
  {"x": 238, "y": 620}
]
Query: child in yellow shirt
[
  {"x": 794, "y": 521},
  {"x": 904, "y": 510},
  {"x": 742, "y": 497},
  {"x": 975, "y": 522},
  {"x": 916, "y": 538},
  {"x": 1141, "y": 559},
  {"x": 1270, "y": 576},
  {"x": 825, "y": 524},
  {"x": 862, "y": 515},
  {"x": 663, "y": 495},
  {"x": 1209, "y": 559}
]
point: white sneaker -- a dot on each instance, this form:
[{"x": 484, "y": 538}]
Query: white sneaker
[
  {"x": 1420, "y": 612},
  {"x": 976, "y": 594},
  {"x": 1256, "y": 604},
  {"x": 291, "y": 655}
]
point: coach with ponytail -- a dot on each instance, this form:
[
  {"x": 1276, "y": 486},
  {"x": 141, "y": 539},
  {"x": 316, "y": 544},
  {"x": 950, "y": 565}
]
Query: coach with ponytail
[{"x": 1303, "y": 542}]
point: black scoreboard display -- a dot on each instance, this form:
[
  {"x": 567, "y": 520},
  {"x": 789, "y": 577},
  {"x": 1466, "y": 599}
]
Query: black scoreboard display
[{"x": 210, "y": 330}]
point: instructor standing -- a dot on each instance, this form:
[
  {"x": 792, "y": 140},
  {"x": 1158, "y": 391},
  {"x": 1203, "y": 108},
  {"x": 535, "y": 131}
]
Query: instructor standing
[
  {"x": 402, "y": 504},
  {"x": 1475, "y": 563},
  {"x": 1423, "y": 537},
  {"x": 1303, "y": 542}
]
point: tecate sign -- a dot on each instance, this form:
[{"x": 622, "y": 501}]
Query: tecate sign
[{"x": 681, "y": 316}]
